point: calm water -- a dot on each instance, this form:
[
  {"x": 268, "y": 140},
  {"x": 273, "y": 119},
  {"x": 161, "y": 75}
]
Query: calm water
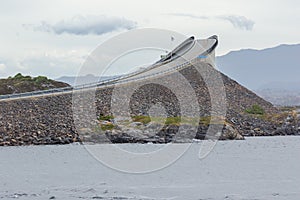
[{"x": 257, "y": 168}]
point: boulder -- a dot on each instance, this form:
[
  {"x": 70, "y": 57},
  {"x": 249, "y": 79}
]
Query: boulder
[{"x": 230, "y": 133}]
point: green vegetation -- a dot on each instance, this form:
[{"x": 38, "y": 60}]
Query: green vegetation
[
  {"x": 176, "y": 121},
  {"x": 255, "y": 110},
  {"x": 40, "y": 79},
  {"x": 167, "y": 121},
  {"x": 277, "y": 118},
  {"x": 207, "y": 120},
  {"x": 173, "y": 120},
  {"x": 20, "y": 83},
  {"x": 105, "y": 117},
  {"x": 105, "y": 127},
  {"x": 141, "y": 118},
  {"x": 273, "y": 117}
]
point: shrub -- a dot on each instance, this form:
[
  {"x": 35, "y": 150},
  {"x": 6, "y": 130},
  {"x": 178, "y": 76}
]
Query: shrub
[
  {"x": 40, "y": 79},
  {"x": 255, "y": 109},
  {"x": 18, "y": 76},
  {"x": 26, "y": 78},
  {"x": 105, "y": 117}
]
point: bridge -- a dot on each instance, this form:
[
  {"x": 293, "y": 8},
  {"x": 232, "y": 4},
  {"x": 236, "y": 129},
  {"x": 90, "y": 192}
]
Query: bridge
[{"x": 185, "y": 54}]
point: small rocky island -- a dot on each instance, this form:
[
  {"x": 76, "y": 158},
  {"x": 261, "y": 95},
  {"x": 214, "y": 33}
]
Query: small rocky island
[
  {"x": 21, "y": 84},
  {"x": 49, "y": 119}
]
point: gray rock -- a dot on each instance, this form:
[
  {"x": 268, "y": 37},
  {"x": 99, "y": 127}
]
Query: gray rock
[
  {"x": 135, "y": 124},
  {"x": 230, "y": 133}
]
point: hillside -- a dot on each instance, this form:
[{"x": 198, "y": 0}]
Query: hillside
[
  {"x": 51, "y": 119},
  {"x": 21, "y": 84}
]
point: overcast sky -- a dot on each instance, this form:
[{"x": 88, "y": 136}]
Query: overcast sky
[{"x": 52, "y": 38}]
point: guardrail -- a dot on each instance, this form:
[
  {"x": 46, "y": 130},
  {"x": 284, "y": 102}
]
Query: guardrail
[{"x": 106, "y": 83}]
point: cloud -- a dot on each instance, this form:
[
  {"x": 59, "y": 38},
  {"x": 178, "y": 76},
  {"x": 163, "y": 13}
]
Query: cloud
[
  {"x": 2, "y": 67},
  {"x": 188, "y": 15},
  {"x": 84, "y": 25},
  {"x": 53, "y": 63},
  {"x": 240, "y": 22}
]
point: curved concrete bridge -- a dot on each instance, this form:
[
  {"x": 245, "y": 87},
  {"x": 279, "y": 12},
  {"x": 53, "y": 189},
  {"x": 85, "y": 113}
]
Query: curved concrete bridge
[{"x": 188, "y": 52}]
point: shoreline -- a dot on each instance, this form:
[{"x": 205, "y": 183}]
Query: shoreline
[{"x": 194, "y": 141}]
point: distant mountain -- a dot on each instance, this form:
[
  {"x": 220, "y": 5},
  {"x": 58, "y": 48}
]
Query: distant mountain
[
  {"x": 261, "y": 69},
  {"x": 80, "y": 80},
  {"x": 72, "y": 80},
  {"x": 274, "y": 73},
  {"x": 281, "y": 93},
  {"x": 280, "y": 97}
]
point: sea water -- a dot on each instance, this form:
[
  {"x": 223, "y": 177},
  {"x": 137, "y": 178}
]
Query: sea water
[{"x": 259, "y": 168}]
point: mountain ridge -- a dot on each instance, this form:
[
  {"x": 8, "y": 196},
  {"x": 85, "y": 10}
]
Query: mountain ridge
[
  {"x": 266, "y": 69},
  {"x": 263, "y": 49}
]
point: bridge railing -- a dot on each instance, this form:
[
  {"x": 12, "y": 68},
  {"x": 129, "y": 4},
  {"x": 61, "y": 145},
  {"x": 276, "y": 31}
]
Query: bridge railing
[{"x": 108, "y": 82}]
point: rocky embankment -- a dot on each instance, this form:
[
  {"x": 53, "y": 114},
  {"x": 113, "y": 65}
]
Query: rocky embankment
[{"x": 59, "y": 119}]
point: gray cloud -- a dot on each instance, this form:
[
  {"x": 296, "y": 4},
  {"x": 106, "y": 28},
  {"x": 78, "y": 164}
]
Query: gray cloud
[
  {"x": 84, "y": 25},
  {"x": 239, "y": 22}
]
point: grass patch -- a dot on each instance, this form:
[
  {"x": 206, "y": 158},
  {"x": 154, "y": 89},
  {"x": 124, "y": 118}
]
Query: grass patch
[
  {"x": 179, "y": 120},
  {"x": 105, "y": 127},
  {"x": 278, "y": 118},
  {"x": 255, "y": 110},
  {"x": 147, "y": 119},
  {"x": 173, "y": 121},
  {"x": 105, "y": 117},
  {"x": 141, "y": 118},
  {"x": 207, "y": 120}
]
